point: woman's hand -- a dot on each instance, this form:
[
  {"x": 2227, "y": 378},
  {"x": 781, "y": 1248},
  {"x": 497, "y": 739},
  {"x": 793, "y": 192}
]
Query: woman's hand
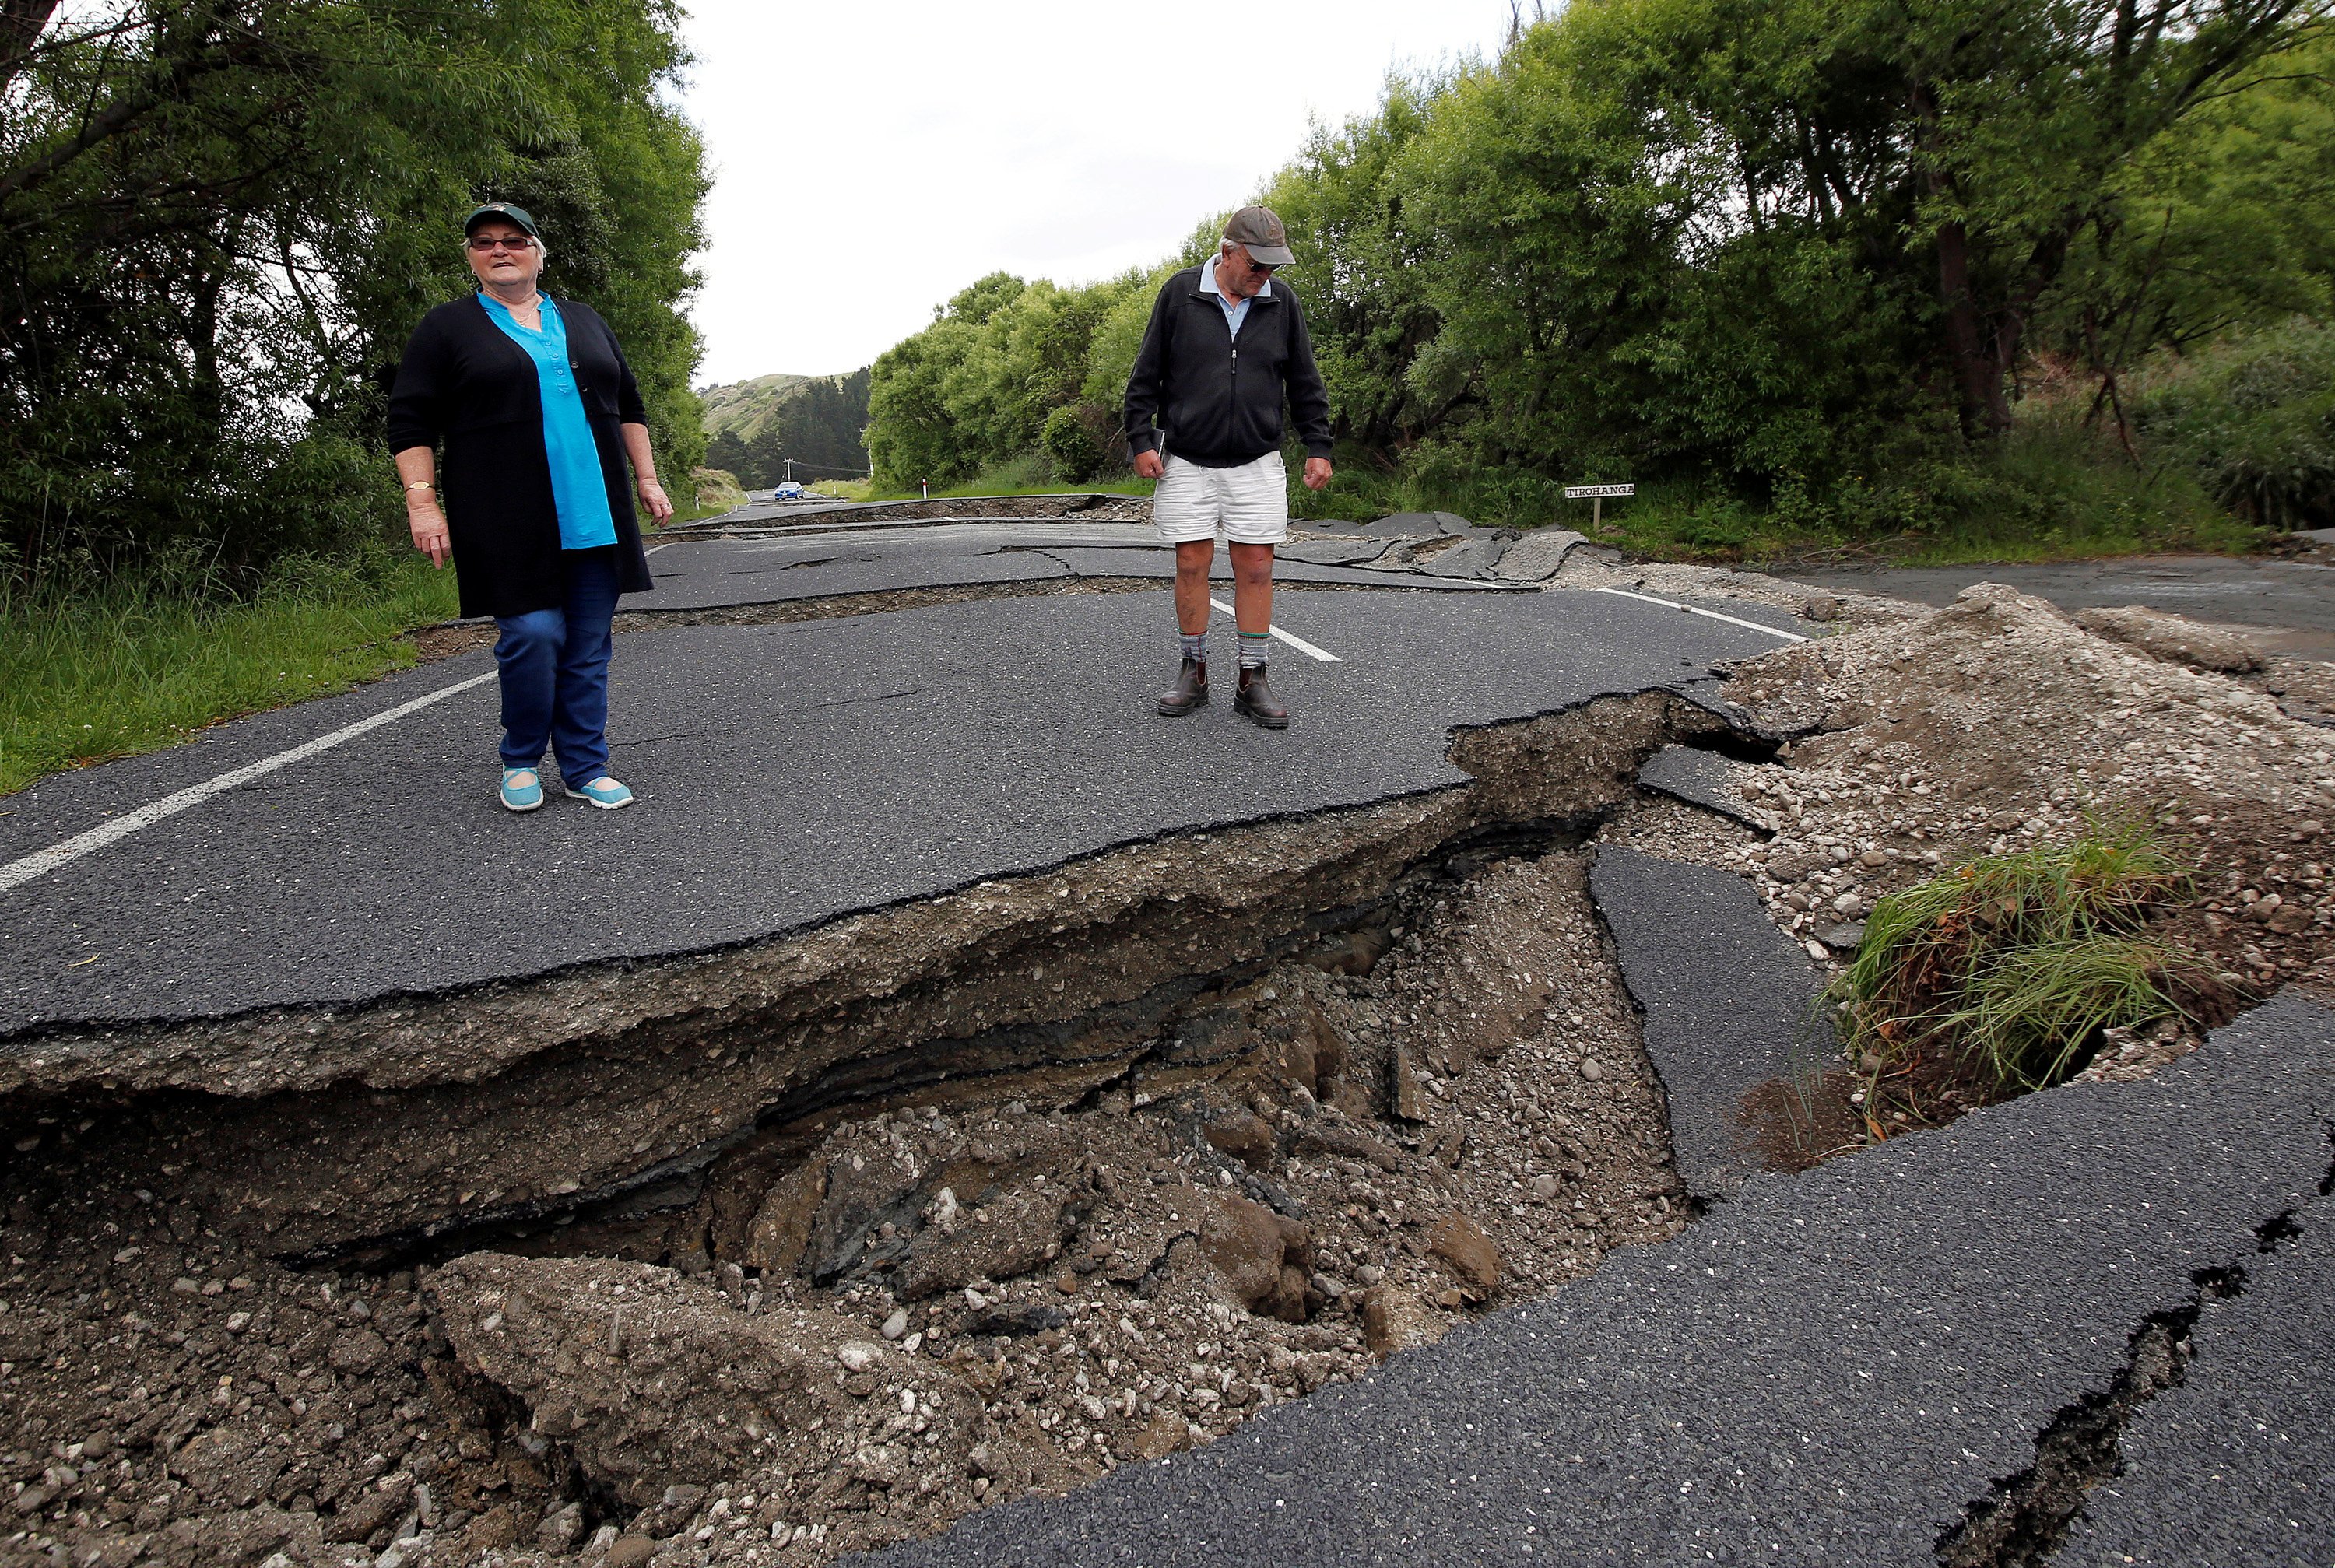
[
  {"x": 428, "y": 524},
  {"x": 653, "y": 498}
]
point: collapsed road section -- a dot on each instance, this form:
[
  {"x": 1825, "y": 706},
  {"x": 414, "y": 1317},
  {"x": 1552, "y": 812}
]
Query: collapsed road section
[
  {"x": 1935, "y": 1354},
  {"x": 1052, "y": 1173},
  {"x": 817, "y": 1239}
]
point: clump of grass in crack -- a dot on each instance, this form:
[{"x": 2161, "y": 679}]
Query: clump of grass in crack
[{"x": 2010, "y": 966}]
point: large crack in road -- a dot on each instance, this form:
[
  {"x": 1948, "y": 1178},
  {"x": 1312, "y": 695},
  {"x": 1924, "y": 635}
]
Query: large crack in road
[
  {"x": 821, "y": 1241},
  {"x": 1223, "y": 1100}
]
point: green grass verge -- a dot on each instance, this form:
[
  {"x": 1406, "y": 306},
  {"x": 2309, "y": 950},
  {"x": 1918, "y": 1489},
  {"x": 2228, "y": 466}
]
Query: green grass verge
[{"x": 136, "y": 665}]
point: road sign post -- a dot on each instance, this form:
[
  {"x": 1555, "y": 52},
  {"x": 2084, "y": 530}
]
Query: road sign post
[{"x": 1596, "y": 496}]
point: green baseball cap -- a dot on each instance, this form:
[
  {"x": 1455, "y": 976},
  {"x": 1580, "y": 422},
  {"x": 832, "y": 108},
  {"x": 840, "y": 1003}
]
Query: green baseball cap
[{"x": 504, "y": 210}]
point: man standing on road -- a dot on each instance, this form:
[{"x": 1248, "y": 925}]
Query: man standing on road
[{"x": 1223, "y": 348}]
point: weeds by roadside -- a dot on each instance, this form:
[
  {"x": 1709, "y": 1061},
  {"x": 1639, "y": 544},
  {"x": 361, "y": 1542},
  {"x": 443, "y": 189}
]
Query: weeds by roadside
[
  {"x": 2053, "y": 488},
  {"x": 2002, "y": 975},
  {"x": 102, "y": 669}
]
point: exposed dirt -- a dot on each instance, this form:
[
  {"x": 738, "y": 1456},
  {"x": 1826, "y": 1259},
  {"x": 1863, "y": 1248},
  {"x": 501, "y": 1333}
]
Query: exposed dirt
[{"x": 431, "y": 644}]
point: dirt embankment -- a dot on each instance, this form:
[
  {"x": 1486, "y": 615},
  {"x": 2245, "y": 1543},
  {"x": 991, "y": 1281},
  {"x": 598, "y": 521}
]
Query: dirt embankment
[{"x": 1999, "y": 722}]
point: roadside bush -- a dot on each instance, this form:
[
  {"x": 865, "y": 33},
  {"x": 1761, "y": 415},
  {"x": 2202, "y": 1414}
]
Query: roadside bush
[
  {"x": 2253, "y": 418},
  {"x": 1071, "y": 445}
]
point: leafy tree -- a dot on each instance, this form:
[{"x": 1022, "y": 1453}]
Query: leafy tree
[
  {"x": 1361, "y": 268},
  {"x": 1758, "y": 247}
]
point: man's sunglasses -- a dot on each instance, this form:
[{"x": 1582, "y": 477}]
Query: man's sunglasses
[{"x": 483, "y": 242}]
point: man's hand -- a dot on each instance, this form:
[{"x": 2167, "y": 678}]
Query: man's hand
[
  {"x": 1149, "y": 465},
  {"x": 428, "y": 526},
  {"x": 653, "y": 498},
  {"x": 1317, "y": 472}
]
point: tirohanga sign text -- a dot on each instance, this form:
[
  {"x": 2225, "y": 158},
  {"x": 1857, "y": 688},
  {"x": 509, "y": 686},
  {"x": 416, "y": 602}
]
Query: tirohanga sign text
[{"x": 1597, "y": 492}]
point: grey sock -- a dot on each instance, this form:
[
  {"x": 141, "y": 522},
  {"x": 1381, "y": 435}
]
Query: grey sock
[
  {"x": 1195, "y": 648},
  {"x": 1257, "y": 649}
]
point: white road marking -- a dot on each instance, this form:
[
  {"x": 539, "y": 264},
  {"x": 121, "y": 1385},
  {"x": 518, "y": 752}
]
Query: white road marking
[
  {"x": 1300, "y": 643},
  {"x": 16, "y": 873},
  {"x": 669, "y": 544},
  {"x": 1714, "y": 615}
]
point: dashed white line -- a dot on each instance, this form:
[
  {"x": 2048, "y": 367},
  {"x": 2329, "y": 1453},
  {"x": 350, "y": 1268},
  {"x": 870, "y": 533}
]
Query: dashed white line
[
  {"x": 1712, "y": 614},
  {"x": 16, "y": 873},
  {"x": 1300, "y": 643}
]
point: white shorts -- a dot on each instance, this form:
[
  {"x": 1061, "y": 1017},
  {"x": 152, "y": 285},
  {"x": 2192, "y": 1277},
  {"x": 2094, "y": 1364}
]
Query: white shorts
[{"x": 1250, "y": 503}]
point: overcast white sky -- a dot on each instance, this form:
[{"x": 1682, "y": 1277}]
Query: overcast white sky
[{"x": 870, "y": 160}]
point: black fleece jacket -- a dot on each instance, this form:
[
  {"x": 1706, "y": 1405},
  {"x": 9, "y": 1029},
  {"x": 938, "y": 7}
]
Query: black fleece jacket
[{"x": 1216, "y": 401}]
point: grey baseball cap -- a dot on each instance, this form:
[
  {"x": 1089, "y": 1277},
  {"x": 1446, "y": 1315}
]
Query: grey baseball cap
[
  {"x": 504, "y": 210},
  {"x": 1258, "y": 230}
]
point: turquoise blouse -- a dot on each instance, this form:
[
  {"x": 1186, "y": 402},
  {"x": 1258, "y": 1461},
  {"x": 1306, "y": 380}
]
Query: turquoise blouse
[{"x": 579, "y": 489}]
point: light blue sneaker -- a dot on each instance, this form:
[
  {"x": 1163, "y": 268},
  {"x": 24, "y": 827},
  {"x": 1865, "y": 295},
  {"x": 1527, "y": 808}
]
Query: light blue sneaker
[
  {"x": 603, "y": 792},
  {"x": 522, "y": 789}
]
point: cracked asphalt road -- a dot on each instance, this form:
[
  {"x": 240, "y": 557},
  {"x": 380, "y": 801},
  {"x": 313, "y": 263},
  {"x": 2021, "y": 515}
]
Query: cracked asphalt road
[
  {"x": 2237, "y": 1463},
  {"x": 788, "y": 774},
  {"x": 1827, "y": 1369},
  {"x": 702, "y": 574},
  {"x": 1830, "y": 1368}
]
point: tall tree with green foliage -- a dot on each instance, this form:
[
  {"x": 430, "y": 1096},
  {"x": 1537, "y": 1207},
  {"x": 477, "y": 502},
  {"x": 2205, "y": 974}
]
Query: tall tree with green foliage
[{"x": 1764, "y": 248}]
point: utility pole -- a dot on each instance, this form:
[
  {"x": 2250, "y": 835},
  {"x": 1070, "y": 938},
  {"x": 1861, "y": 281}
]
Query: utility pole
[{"x": 791, "y": 469}]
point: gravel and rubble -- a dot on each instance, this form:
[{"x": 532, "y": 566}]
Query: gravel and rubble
[
  {"x": 927, "y": 1310},
  {"x": 2001, "y": 722},
  {"x": 1997, "y": 723}
]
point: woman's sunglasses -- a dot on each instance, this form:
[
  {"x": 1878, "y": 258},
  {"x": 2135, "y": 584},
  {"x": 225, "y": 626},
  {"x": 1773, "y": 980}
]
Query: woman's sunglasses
[{"x": 489, "y": 242}]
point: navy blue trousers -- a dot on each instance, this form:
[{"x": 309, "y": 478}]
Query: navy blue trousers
[{"x": 554, "y": 665}]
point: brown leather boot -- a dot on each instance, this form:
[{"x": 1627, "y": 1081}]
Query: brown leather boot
[
  {"x": 1190, "y": 691},
  {"x": 1255, "y": 699}
]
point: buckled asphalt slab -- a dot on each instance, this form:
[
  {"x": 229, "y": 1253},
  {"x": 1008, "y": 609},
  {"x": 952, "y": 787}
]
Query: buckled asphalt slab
[
  {"x": 1833, "y": 1368},
  {"x": 787, "y": 774},
  {"x": 1728, "y": 1000},
  {"x": 1705, "y": 778},
  {"x": 702, "y": 574}
]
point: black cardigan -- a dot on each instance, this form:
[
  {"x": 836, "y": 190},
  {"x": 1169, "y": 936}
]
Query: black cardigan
[{"x": 464, "y": 382}]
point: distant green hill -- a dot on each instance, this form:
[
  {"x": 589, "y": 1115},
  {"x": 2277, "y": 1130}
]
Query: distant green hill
[{"x": 752, "y": 426}]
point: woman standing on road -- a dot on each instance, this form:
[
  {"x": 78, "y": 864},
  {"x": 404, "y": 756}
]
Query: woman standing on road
[{"x": 538, "y": 412}]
